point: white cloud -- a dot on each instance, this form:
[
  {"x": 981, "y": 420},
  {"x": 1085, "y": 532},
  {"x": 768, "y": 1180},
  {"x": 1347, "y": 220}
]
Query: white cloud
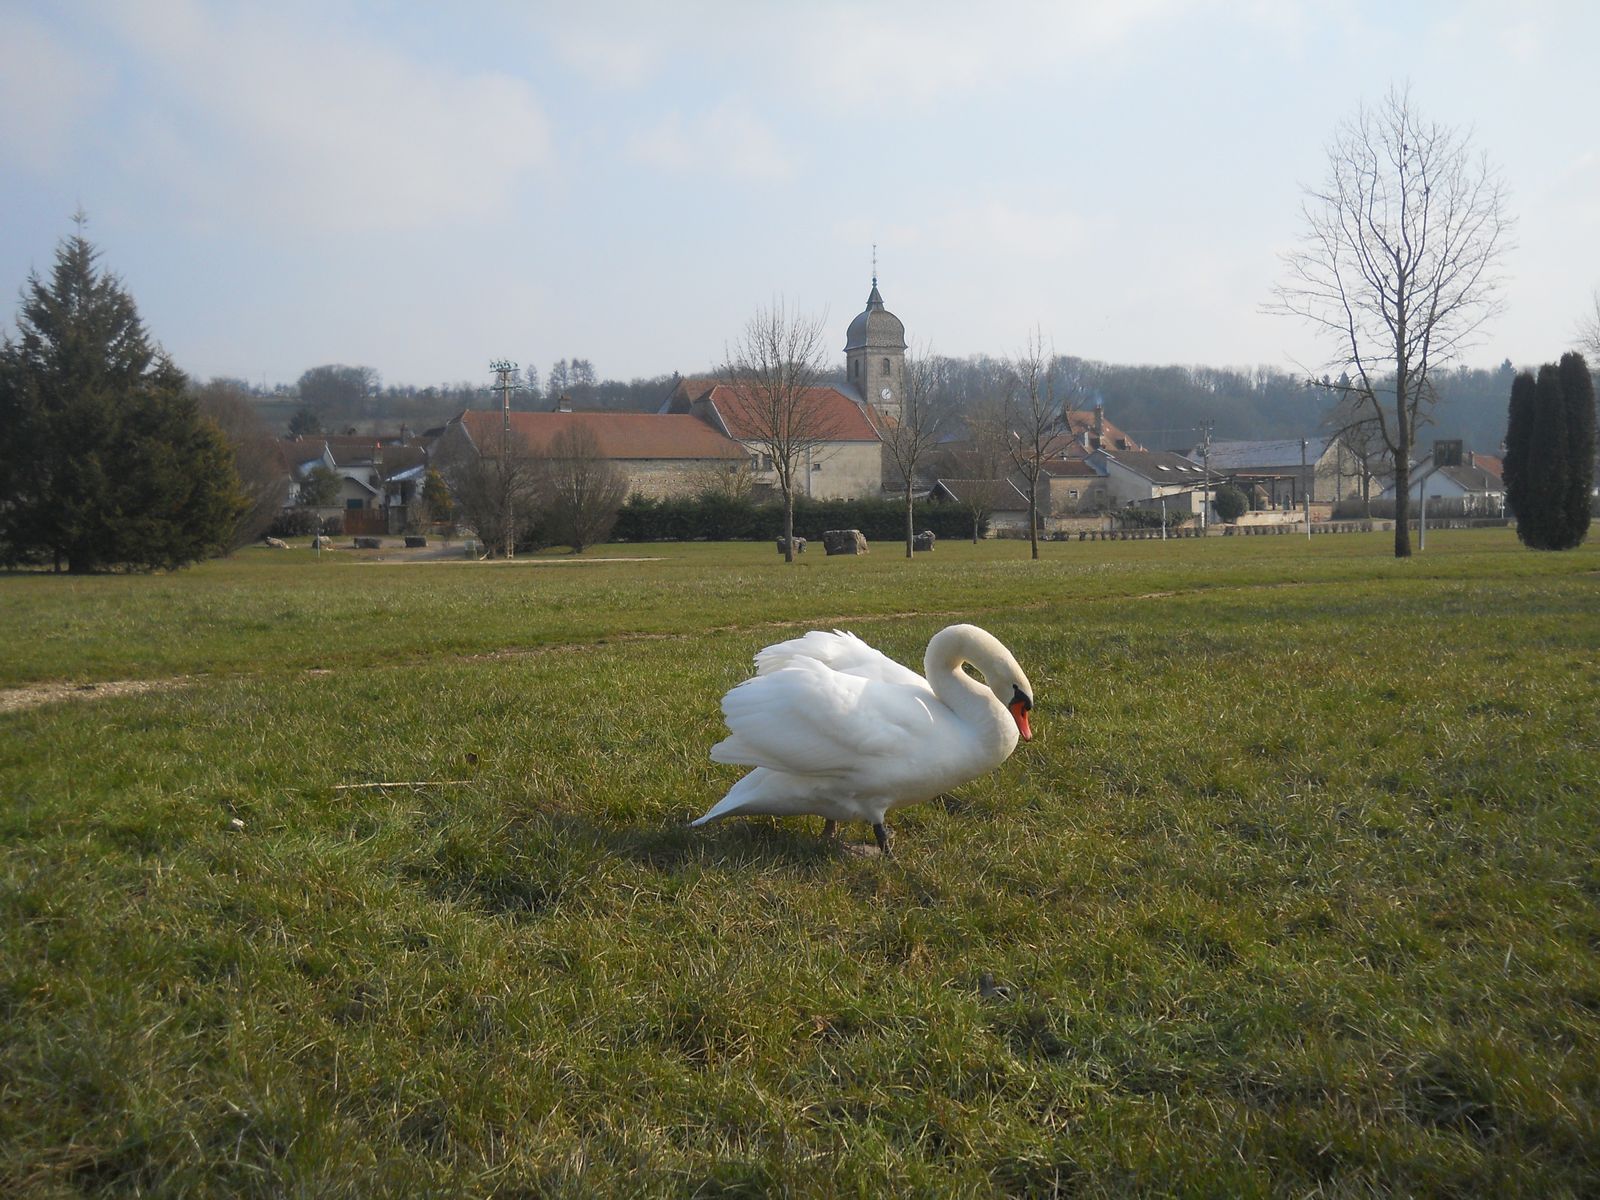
[
  {"x": 1010, "y": 233},
  {"x": 839, "y": 55},
  {"x": 728, "y": 141},
  {"x": 324, "y": 130},
  {"x": 45, "y": 93},
  {"x": 607, "y": 58}
]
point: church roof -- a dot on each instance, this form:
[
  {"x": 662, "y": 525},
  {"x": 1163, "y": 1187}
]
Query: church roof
[
  {"x": 841, "y": 418},
  {"x": 617, "y": 435},
  {"x": 875, "y": 327}
]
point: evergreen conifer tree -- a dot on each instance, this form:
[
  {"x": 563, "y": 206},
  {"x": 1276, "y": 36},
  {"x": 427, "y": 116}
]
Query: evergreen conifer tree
[
  {"x": 1577, "y": 395},
  {"x": 106, "y": 460},
  {"x": 1519, "y": 426}
]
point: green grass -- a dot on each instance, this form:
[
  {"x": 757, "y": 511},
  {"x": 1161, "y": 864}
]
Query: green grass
[{"x": 1295, "y": 892}]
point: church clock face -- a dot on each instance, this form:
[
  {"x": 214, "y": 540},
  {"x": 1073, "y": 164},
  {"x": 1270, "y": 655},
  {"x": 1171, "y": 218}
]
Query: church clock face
[{"x": 886, "y": 394}]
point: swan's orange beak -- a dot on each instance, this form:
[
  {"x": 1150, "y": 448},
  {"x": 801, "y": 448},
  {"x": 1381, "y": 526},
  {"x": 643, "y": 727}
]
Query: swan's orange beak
[{"x": 1020, "y": 712}]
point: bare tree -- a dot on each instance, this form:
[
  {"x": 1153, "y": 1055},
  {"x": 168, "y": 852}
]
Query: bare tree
[
  {"x": 772, "y": 371},
  {"x": 1589, "y": 331},
  {"x": 581, "y": 489},
  {"x": 1033, "y": 421},
  {"x": 1398, "y": 267},
  {"x": 909, "y": 441},
  {"x": 497, "y": 491},
  {"x": 977, "y": 465},
  {"x": 257, "y": 459},
  {"x": 1361, "y": 454},
  {"x": 722, "y": 481}
]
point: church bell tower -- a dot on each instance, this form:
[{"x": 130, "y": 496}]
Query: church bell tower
[{"x": 875, "y": 354}]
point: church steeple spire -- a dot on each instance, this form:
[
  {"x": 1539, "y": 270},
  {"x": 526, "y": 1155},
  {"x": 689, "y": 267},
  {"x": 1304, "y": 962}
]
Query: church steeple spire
[{"x": 875, "y": 352}]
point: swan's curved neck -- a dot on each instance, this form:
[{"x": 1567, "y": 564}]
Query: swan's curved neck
[{"x": 964, "y": 695}]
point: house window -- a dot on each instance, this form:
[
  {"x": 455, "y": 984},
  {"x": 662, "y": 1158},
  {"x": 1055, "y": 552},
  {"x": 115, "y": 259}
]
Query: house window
[
  {"x": 354, "y": 503},
  {"x": 1072, "y": 493},
  {"x": 886, "y": 364}
]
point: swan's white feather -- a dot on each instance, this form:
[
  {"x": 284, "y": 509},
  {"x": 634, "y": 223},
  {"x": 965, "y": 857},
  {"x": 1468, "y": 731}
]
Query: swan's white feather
[
  {"x": 844, "y": 652},
  {"x": 807, "y": 718},
  {"x": 834, "y": 728}
]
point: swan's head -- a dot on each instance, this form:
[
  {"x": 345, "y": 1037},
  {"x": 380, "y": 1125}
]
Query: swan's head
[
  {"x": 968, "y": 644},
  {"x": 1019, "y": 706}
]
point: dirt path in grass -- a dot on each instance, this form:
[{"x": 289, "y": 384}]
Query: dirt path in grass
[{"x": 31, "y": 695}]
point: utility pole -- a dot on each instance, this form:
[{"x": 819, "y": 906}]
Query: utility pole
[
  {"x": 1305, "y": 481},
  {"x": 504, "y": 370},
  {"x": 1205, "y": 459}
]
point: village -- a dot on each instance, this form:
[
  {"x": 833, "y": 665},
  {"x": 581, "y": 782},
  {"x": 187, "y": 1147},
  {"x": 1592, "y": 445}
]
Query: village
[{"x": 1094, "y": 479}]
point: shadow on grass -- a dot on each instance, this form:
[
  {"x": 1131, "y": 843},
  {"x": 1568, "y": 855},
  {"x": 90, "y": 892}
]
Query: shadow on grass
[{"x": 740, "y": 843}]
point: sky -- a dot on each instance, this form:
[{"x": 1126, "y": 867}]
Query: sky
[{"x": 424, "y": 188}]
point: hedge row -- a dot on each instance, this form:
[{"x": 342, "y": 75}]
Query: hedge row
[{"x": 720, "y": 519}]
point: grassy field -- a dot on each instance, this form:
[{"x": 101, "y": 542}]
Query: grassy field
[{"x": 1295, "y": 892}]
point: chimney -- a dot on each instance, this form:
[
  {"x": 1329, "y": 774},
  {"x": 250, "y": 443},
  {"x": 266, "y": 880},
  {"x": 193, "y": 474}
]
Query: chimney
[
  {"x": 1472, "y": 459},
  {"x": 1099, "y": 423},
  {"x": 405, "y": 434}
]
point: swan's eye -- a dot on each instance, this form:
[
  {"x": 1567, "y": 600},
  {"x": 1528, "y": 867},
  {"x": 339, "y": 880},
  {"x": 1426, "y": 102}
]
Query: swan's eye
[{"x": 1018, "y": 696}]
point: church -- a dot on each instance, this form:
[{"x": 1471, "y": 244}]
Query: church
[
  {"x": 704, "y": 425},
  {"x": 848, "y": 464}
]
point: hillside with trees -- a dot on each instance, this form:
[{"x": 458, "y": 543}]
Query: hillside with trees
[{"x": 1162, "y": 406}]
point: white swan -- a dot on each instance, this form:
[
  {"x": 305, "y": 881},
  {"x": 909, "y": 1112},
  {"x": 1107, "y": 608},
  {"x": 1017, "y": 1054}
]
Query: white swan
[{"x": 835, "y": 729}]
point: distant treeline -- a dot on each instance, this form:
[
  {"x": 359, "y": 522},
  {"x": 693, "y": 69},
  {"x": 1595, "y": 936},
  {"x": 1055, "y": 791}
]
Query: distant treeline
[{"x": 1162, "y": 407}]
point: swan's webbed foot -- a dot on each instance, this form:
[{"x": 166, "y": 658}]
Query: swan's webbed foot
[{"x": 881, "y": 832}]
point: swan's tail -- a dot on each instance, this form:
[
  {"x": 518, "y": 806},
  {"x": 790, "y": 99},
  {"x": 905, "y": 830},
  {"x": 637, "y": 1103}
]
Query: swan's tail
[{"x": 738, "y": 795}]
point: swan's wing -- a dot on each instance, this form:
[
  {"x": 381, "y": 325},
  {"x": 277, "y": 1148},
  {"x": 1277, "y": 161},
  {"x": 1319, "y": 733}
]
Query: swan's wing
[
  {"x": 844, "y": 652},
  {"x": 808, "y": 719}
]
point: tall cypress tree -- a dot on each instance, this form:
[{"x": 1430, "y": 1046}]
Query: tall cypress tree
[
  {"x": 106, "y": 460},
  {"x": 1519, "y": 427},
  {"x": 1577, "y": 396},
  {"x": 1546, "y": 472}
]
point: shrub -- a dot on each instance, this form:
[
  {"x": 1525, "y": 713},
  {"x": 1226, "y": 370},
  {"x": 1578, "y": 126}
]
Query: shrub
[
  {"x": 294, "y": 522},
  {"x": 1229, "y": 502},
  {"x": 728, "y": 518}
]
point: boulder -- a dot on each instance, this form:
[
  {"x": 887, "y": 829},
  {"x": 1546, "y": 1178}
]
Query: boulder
[
  {"x": 844, "y": 541},
  {"x": 799, "y": 545},
  {"x": 368, "y": 543},
  {"x": 415, "y": 541},
  {"x": 923, "y": 540}
]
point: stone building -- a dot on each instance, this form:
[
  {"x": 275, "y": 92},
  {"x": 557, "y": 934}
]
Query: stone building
[
  {"x": 704, "y": 429},
  {"x": 846, "y": 464},
  {"x": 662, "y": 454}
]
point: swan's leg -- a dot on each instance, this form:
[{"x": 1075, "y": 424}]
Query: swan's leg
[
  {"x": 830, "y": 830},
  {"x": 881, "y": 832}
]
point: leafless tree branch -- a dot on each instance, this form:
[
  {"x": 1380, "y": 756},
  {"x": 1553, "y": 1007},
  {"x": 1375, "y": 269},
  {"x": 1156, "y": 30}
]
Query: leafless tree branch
[{"x": 1398, "y": 269}]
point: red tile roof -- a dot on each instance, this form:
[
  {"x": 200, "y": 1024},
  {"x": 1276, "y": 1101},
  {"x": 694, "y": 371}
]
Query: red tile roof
[
  {"x": 1112, "y": 438},
  {"x": 619, "y": 435},
  {"x": 838, "y": 415}
]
